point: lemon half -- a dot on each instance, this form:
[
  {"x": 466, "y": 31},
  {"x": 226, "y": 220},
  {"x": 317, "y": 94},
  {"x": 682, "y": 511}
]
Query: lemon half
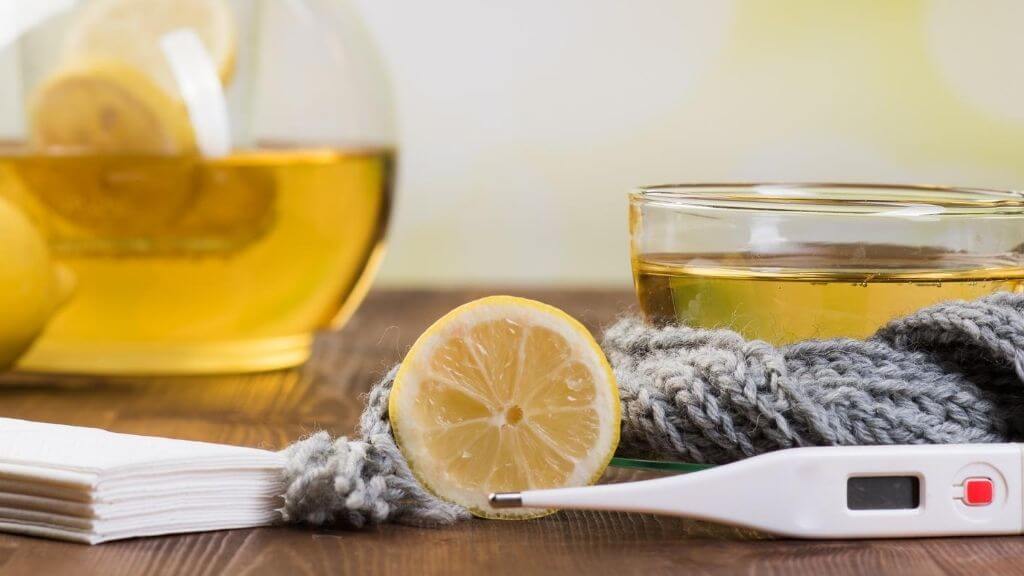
[
  {"x": 32, "y": 287},
  {"x": 505, "y": 394}
]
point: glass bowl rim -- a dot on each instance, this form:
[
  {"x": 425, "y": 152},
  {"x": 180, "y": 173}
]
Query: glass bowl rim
[{"x": 879, "y": 199}]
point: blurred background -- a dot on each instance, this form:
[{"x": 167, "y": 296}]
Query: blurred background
[{"x": 523, "y": 124}]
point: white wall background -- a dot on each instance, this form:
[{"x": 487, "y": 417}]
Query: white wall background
[
  {"x": 521, "y": 127},
  {"x": 523, "y": 123}
]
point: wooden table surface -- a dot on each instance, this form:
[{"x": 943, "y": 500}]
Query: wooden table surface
[{"x": 270, "y": 410}]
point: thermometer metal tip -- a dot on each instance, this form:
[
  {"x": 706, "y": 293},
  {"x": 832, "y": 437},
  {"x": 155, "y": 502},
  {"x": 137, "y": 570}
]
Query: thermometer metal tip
[{"x": 506, "y": 499}]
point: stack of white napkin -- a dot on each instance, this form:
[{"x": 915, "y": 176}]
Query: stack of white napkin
[{"x": 89, "y": 485}]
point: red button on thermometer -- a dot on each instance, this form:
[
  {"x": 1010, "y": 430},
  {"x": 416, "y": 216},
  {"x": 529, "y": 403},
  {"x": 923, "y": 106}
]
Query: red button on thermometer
[
  {"x": 978, "y": 491},
  {"x": 829, "y": 492}
]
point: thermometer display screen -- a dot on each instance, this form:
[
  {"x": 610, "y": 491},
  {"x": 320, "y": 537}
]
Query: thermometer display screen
[{"x": 883, "y": 493}]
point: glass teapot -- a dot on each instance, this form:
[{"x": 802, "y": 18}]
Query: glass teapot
[{"x": 215, "y": 175}]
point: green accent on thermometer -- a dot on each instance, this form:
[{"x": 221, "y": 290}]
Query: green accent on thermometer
[{"x": 665, "y": 465}]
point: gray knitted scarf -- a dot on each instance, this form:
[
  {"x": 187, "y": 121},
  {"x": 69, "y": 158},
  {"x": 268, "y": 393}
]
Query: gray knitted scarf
[{"x": 951, "y": 373}]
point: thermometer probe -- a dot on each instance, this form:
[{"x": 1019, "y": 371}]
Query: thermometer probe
[{"x": 828, "y": 492}]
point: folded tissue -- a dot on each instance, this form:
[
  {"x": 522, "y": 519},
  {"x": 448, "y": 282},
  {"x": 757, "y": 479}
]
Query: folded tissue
[{"x": 89, "y": 485}]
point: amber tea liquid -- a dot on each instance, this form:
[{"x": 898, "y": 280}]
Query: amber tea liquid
[
  {"x": 812, "y": 293},
  {"x": 186, "y": 265}
]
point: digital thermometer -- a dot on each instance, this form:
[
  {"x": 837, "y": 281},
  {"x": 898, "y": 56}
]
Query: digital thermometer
[{"x": 829, "y": 492}]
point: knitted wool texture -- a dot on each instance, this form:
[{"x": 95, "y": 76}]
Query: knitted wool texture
[
  {"x": 951, "y": 373},
  {"x": 354, "y": 482}
]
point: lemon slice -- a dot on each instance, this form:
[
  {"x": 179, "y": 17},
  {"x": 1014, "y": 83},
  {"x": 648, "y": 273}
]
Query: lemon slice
[
  {"x": 121, "y": 204},
  {"x": 108, "y": 107},
  {"x": 119, "y": 171},
  {"x": 130, "y": 31},
  {"x": 108, "y": 133},
  {"x": 504, "y": 394}
]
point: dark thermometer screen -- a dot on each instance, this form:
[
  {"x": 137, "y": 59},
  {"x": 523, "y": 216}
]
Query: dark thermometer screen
[{"x": 883, "y": 493}]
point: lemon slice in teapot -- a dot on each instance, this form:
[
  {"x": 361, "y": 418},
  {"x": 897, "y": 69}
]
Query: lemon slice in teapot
[
  {"x": 104, "y": 129},
  {"x": 118, "y": 173}
]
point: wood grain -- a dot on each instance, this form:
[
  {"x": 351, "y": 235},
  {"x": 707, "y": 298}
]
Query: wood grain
[{"x": 270, "y": 410}]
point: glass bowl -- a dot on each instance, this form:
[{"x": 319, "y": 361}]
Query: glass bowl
[
  {"x": 215, "y": 175},
  {"x": 787, "y": 262}
]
